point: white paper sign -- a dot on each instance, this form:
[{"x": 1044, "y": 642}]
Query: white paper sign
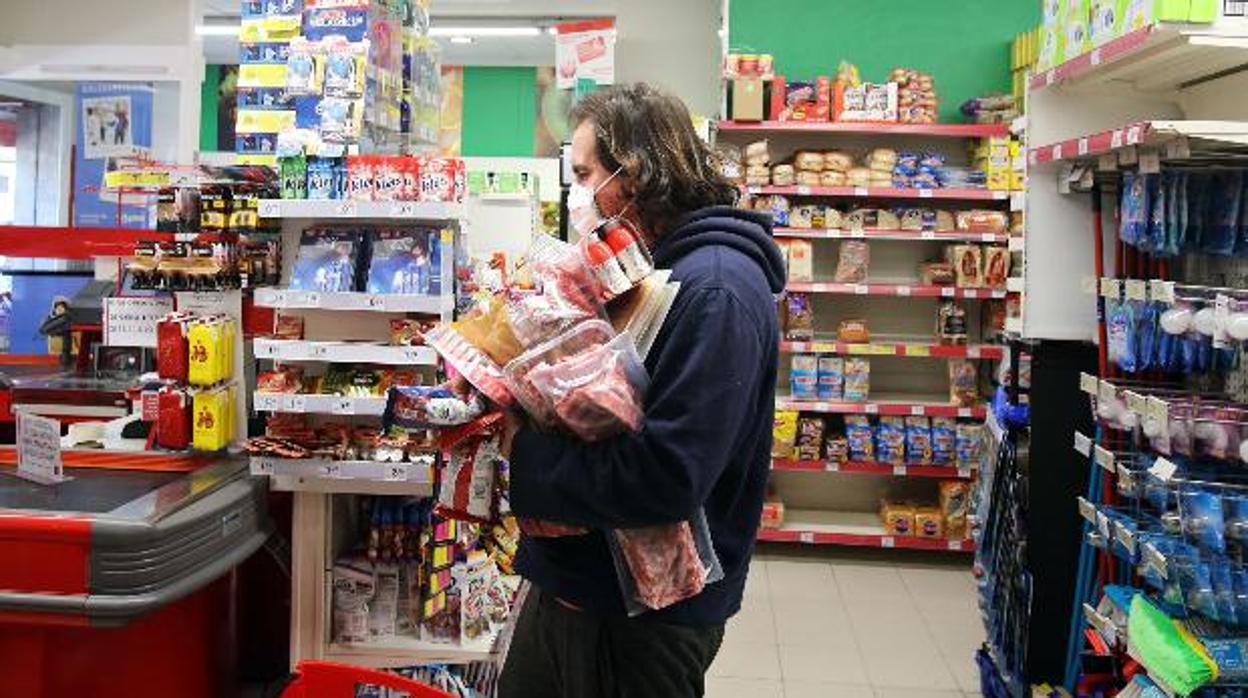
[
  {"x": 131, "y": 322},
  {"x": 39, "y": 449},
  {"x": 585, "y": 50}
]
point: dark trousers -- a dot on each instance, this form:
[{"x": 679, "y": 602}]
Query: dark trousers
[{"x": 559, "y": 652}]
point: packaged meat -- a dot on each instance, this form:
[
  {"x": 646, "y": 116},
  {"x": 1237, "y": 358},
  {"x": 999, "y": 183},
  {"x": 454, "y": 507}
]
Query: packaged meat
[
  {"x": 968, "y": 265},
  {"x": 831, "y": 378},
  {"x": 773, "y": 514},
  {"x": 801, "y": 260},
  {"x": 408, "y": 332},
  {"x": 851, "y": 267},
  {"x": 288, "y": 327},
  {"x": 784, "y": 434},
  {"x": 658, "y": 566},
  {"x": 799, "y": 319},
  {"x": 804, "y": 376},
  {"x": 996, "y": 266},
  {"x": 606, "y": 267},
  {"x": 963, "y": 383},
  {"x": 857, "y": 379}
]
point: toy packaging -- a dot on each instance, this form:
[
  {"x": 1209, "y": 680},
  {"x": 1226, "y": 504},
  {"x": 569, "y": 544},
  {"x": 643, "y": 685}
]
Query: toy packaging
[
  {"x": 405, "y": 262},
  {"x": 326, "y": 261}
]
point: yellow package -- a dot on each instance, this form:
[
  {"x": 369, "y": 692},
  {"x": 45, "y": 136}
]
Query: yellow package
[
  {"x": 784, "y": 434},
  {"x": 210, "y": 411},
  {"x": 228, "y": 335},
  {"x": 203, "y": 350},
  {"x": 898, "y": 519},
  {"x": 929, "y": 522}
]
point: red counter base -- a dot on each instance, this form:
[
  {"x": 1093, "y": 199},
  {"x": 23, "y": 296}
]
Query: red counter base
[{"x": 180, "y": 650}]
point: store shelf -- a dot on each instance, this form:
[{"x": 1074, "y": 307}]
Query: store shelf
[
  {"x": 881, "y": 128},
  {"x": 894, "y": 289},
  {"x": 902, "y": 235},
  {"x": 344, "y": 352},
  {"x": 912, "y": 348},
  {"x": 347, "y": 209},
  {"x": 885, "y": 193},
  {"x": 403, "y": 651},
  {"x": 1202, "y": 137},
  {"x": 375, "y": 302},
  {"x": 344, "y": 477},
  {"x": 870, "y": 468},
  {"x": 895, "y": 405},
  {"x": 857, "y": 529},
  {"x": 319, "y": 404},
  {"x": 1156, "y": 58}
]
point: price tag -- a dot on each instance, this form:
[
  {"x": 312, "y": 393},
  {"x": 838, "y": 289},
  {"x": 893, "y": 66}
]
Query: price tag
[
  {"x": 269, "y": 208},
  {"x": 343, "y": 406},
  {"x": 1049, "y": 78},
  {"x": 319, "y": 351},
  {"x": 948, "y": 292},
  {"x": 1087, "y": 510},
  {"x": 279, "y": 299},
  {"x": 806, "y": 537},
  {"x": 831, "y": 466},
  {"x": 413, "y": 355},
  {"x": 376, "y": 302},
  {"x": 1082, "y": 146},
  {"x": 395, "y": 472},
  {"x": 927, "y": 235},
  {"x": 1104, "y": 458},
  {"x": 926, "y": 193},
  {"x": 1150, "y": 161},
  {"x": 888, "y": 542},
  {"x": 954, "y": 544},
  {"x": 1128, "y": 155},
  {"x": 1115, "y": 139},
  {"x": 1057, "y": 152},
  {"x": 917, "y": 350},
  {"x": 1111, "y": 288},
  {"x": 261, "y": 466},
  {"x": 965, "y": 412},
  {"x": 1133, "y": 134},
  {"x": 1161, "y": 291},
  {"x": 918, "y": 410},
  {"x": 1136, "y": 290},
  {"x": 974, "y": 352},
  {"x": 871, "y": 408},
  {"x": 1163, "y": 469},
  {"x": 1088, "y": 383},
  {"x": 296, "y": 403},
  {"x": 754, "y": 190},
  {"x": 988, "y": 237},
  {"x": 858, "y": 234},
  {"x": 899, "y": 470},
  {"x": 1135, "y": 402},
  {"x": 1095, "y": 56},
  {"x": 964, "y": 471},
  {"x": 1107, "y": 162},
  {"x": 803, "y": 190},
  {"x": 330, "y": 469},
  {"x": 1088, "y": 284},
  {"x": 1179, "y": 149},
  {"x": 266, "y": 350},
  {"x": 1158, "y": 409},
  {"x": 1083, "y": 444},
  {"x": 345, "y": 209},
  {"x": 903, "y": 290},
  {"x": 861, "y": 289},
  {"x": 1106, "y": 391},
  {"x": 403, "y": 209},
  {"x": 1153, "y": 556},
  {"x": 267, "y": 402},
  {"x": 861, "y": 191}
]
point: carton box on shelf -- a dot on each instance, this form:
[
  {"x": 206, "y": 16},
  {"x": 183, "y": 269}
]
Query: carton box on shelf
[{"x": 747, "y": 99}]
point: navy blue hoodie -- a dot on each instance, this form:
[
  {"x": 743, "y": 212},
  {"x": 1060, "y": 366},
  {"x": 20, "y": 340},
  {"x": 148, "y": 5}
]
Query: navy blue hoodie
[{"x": 706, "y": 439}]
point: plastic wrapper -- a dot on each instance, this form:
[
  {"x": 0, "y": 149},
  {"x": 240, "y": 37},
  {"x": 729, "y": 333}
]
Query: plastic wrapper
[
  {"x": 854, "y": 330},
  {"x": 417, "y": 408},
  {"x": 918, "y": 441},
  {"x": 861, "y": 437},
  {"x": 898, "y": 518},
  {"x": 353, "y": 590},
  {"x": 326, "y": 261},
  {"x": 457, "y": 347},
  {"x": 466, "y": 491},
  {"x": 951, "y": 323},
  {"x": 890, "y": 441},
  {"x": 809, "y": 438},
  {"x": 967, "y": 445},
  {"x": 944, "y": 436},
  {"x": 831, "y": 378},
  {"x": 799, "y": 324},
  {"x": 928, "y": 523},
  {"x": 996, "y": 266},
  {"x": 968, "y": 265},
  {"x": 804, "y": 376},
  {"x": 982, "y": 221},
  {"x": 784, "y": 434},
  {"x": 955, "y": 506},
  {"x": 857, "y": 379},
  {"x": 963, "y": 383},
  {"x": 855, "y": 257},
  {"x": 662, "y": 565}
]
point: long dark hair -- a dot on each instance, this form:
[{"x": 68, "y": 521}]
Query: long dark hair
[{"x": 649, "y": 135}]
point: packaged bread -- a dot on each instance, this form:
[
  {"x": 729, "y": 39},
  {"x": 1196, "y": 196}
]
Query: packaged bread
[
  {"x": 982, "y": 221},
  {"x": 799, "y": 318},
  {"x": 801, "y": 260},
  {"x": 882, "y": 157},
  {"x": 968, "y": 265},
  {"x": 757, "y": 153},
  {"x": 809, "y": 161},
  {"x": 858, "y": 177},
  {"x": 872, "y": 219},
  {"x": 837, "y": 161},
  {"x": 955, "y": 506},
  {"x": 855, "y": 257},
  {"x": 880, "y": 181},
  {"x": 832, "y": 218},
  {"x": 808, "y": 179},
  {"x": 937, "y": 274},
  {"x": 804, "y": 216},
  {"x": 773, "y": 514},
  {"x": 857, "y": 386},
  {"x": 783, "y": 175},
  {"x": 898, "y": 518},
  {"x": 853, "y": 331},
  {"x": 951, "y": 323},
  {"x": 929, "y": 522},
  {"x": 996, "y": 266},
  {"x": 944, "y": 221},
  {"x": 763, "y": 171},
  {"x": 832, "y": 179}
]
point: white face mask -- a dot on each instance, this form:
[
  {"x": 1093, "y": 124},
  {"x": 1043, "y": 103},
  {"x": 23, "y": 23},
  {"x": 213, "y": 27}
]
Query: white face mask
[{"x": 583, "y": 211}]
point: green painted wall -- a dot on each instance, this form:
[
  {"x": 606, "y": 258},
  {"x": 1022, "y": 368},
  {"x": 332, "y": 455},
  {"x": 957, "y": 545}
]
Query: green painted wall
[
  {"x": 499, "y": 111},
  {"x": 208, "y": 109},
  {"x": 964, "y": 44}
]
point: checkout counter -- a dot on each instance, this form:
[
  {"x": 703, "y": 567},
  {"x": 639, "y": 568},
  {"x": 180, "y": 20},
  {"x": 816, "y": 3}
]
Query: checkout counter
[{"x": 117, "y": 582}]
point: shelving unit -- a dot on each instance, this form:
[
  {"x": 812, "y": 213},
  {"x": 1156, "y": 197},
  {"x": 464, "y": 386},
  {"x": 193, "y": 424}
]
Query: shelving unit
[
  {"x": 870, "y": 468},
  {"x": 868, "y": 128},
  {"x": 912, "y": 348},
  {"x": 898, "y": 235},
  {"x": 292, "y": 350},
  {"x": 884, "y": 193},
  {"x": 299, "y": 403},
  {"x": 863, "y": 530},
  {"x": 900, "y": 289},
  {"x": 894, "y": 405},
  {"x": 348, "y": 209},
  {"x": 286, "y": 299}
]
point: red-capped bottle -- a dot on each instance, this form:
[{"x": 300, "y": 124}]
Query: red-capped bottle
[
  {"x": 628, "y": 250},
  {"x": 606, "y": 267}
]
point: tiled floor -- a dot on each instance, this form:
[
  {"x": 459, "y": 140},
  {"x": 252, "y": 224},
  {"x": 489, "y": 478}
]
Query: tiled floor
[{"x": 833, "y": 623}]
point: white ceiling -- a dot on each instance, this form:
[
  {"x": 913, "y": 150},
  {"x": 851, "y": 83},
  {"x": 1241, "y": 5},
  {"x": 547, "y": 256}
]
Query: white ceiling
[{"x": 536, "y": 50}]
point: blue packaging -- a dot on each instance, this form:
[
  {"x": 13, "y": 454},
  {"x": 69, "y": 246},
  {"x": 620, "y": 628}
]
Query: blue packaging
[
  {"x": 326, "y": 261},
  {"x": 1224, "y": 592},
  {"x": 831, "y": 378},
  {"x": 890, "y": 441},
  {"x": 861, "y": 438},
  {"x": 1154, "y": 239},
  {"x": 405, "y": 262},
  {"x": 1222, "y": 227},
  {"x": 919, "y": 449},
  {"x": 804, "y": 377},
  {"x": 320, "y": 178},
  {"x": 1133, "y": 207},
  {"x": 1203, "y": 521}
]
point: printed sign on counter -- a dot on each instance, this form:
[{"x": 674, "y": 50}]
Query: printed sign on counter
[
  {"x": 131, "y": 322},
  {"x": 39, "y": 449}
]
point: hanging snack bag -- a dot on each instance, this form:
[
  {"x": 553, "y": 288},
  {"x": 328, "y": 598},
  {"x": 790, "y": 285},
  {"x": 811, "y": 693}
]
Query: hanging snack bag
[
  {"x": 344, "y": 68},
  {"x": 855, "y": 257},
  {"x": 890, "y": 441},
  {"x": 799, "y": 323},
  {"x": 304, "y": 68},
  {"x": 857, "y": 379},
  {"x": 1224, "y": 207},
  {"x": 944, "y": 437},
  {"x": 860, "y": 437},
  {"x": 804, "y": 377},
  {"x": 809, "y": 438},
  {"x": 963, "y": 383},
  {"x": 172, "y": 358},
  {"x": 1134, "y": 208},
  {"x": 467, "y": 490},
  {"x": 831, "y": 378},
  {"x": 919, "y": 450},
  {"x": 784, "y": 434}
]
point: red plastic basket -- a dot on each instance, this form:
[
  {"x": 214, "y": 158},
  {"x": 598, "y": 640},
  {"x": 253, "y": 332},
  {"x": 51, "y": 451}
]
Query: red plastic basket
[{"x": 335, "y": 680}]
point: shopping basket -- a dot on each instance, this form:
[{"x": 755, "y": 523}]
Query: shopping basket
[{"x": 335, "y": 680}]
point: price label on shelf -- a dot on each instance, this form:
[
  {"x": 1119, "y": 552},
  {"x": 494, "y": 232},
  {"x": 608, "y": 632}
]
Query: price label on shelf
[
  {"x": 964, "y": 471},
  {"x": 1158, "y": 409},
  {"x": 395, "y": 472},
  {"x": 899, "y": 470},
  {"x": 1057, "y": 152},
  {"x": 330, "y": 469},
  {"x": 1115, "y": 139},
  {"x": 1095, "y": 56},
  {"x": 1163, "y": 469},
  {"x": 754, "y": 190},
  {"x": 1088, "y": 383},
  {"x": 1136, "y": 290},
  {"x": 296, "y": 403},
  {"x": 343, "y": 406},
  {"x": 1111, "y": 288},
  {"x": 948, "y": 292},
  {"x": 1107, "y": 162},
  {"x": 376, "y": 302},
  {"x": 965, "y": 412},
  {"x": 1135, "y": 402},
  {"x": 973, "y": 352},
  {"x": 831, "y": 466},
  {"x": 346, "y": 208},
  {"x": 269, "y": 208},
  {"x": 1106, "y": 391},
  {"x": 862, "y": 191},
  {"x": 403, "y": 209},
  {"x": 806, "y": 537},
  {"x": 903, "y": 290},
  {"x": 858, "y": 234},
  {"x": 928, "y": 235},
  {"x": 888, "y": 542},
  {"x": 988, "y": 237},
  {"x": 267, "y": 402},
  {"x": 954, "y": 544},
  {"x": 1178, "y": 149},
  {"x": 1082, "y": 146},
  {"x": 861, "y": 289},
  {"x": 1083, "y": 444},
  {"x": 1104, "y": 458},
  {"x": 918, "y": 410},
  {"x": 1150, "y": 161},
  {"x": 319, "y": 351},
  {"x": 267, "y": 350},
  {"x": 926, "y": 193},
  {"x": 1087, "y": 509},
  {"x": 871, "y": 408},
  {"x": 1161, "y": 291},
  {"x": 1128, "y": 156},
  {"x": 916, "y": 350},
  {"x": 413, "y": 355},
  {"x": 1134, "y": 133},
  {"x": 262, "y": 465},
  {"x": 803, "y": 190}
]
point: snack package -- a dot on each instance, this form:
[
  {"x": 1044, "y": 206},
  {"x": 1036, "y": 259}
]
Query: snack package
[
  {"x": 929, "y": 522},
  {"x": 361, "y": 183},
  {"x": 326, "y": 261},
  {"x": 405, "y": 262},
  {"x": 944, "y": 437},
  {"x": 756, "y": 153},
  {"x": 937, "y": 274},
  {"x": 457, "y": 344},
  {"x": 408, "y": 332},
  {"x": 898, "y": 518},
  {"x": 799, "y": 325},
  {"x": 809, "y": 161},
  {"x": 950, "y": 323},
  {"x": 854, "y": 331},
  {"x": 783, "y": 176},
  {"x": 836, "y": 449},
  {"x": 809, "y": 438},
  {"x": 658, "y": 566},
  {"x": 860, "y": 437},
  {"x": 963, "y": 383},
  {"x": 968, "y": 265},
  {"x": 466, "y": 491},
  {"x": 773, "y": 514},
  {"x": 982, "y": 221},
  {"x": 784, "y": 434},
  {"x": 996, "y": 266},
  {"x": 837, "y": 161},
  {"x": 967, "y": 445},
  {"x": 872, "y": 219},
  {"x": 804, "y": 216},
  {"x": 472, "y": 580},
  {"x": 831, "y": 378},
  {"x": 804, "y": 377},
  {"x": 417, "y": 408},
  {"x": 172, "y": 357},
  {"x": 890, "y": 441},
  {"x": 801, "y": 260},
  {"x": 288, "y": 327},
  {"x": 855, "y": 257},
  {"x": 919, "y": 448},
  {"x": 857, "y": 379},
  {"x": 173, "y": 418},
  {"x": 353, "y": 590}
]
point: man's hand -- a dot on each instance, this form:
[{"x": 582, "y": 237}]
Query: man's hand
[{"x": 511, "y": 424}]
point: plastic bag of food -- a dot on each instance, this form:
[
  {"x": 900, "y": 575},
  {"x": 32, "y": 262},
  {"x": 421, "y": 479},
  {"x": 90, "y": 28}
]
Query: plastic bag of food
[
  {"x": 473, "y": 363},
  {"x": 658, "y": 566},
  {"x": 855, "y": 256},
  {"x": 419, "y": 407},
  {"x": 963, "y": 383},
  {"x": 784, "y": 434},
  {"x": 799, "y": 318},
  {"x": 466, "y": 491}
]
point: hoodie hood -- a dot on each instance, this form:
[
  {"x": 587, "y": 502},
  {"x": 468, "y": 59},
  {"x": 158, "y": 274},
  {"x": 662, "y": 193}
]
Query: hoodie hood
[{"x": 748, "y": 232}]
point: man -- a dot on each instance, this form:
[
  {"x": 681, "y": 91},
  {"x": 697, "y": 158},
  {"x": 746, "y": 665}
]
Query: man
[{"x": 706, "y": 438}]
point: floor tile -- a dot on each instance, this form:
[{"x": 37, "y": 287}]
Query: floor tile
[
  {"x": 800, "y": 579},
  {"x": 860, "y": 582},
  {"x": 824, "y": 689},
  {"x": 823, "y": 660},
  {"x": 797, "y": 622},
  {"x": 743, "y": 660},
  {"x": 753, "y": 624},
  {"x": 908, "y": 667},
  {"x": 720, "y": 687},
  {"x": 934, "y": 584}
]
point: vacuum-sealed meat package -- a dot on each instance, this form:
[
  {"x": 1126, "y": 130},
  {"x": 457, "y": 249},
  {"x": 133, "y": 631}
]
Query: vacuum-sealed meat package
[{"x": 662, "y": 565}]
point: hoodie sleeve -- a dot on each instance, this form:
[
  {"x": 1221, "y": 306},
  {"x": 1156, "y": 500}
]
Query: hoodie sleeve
[{"x": 695, "y": 407}]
